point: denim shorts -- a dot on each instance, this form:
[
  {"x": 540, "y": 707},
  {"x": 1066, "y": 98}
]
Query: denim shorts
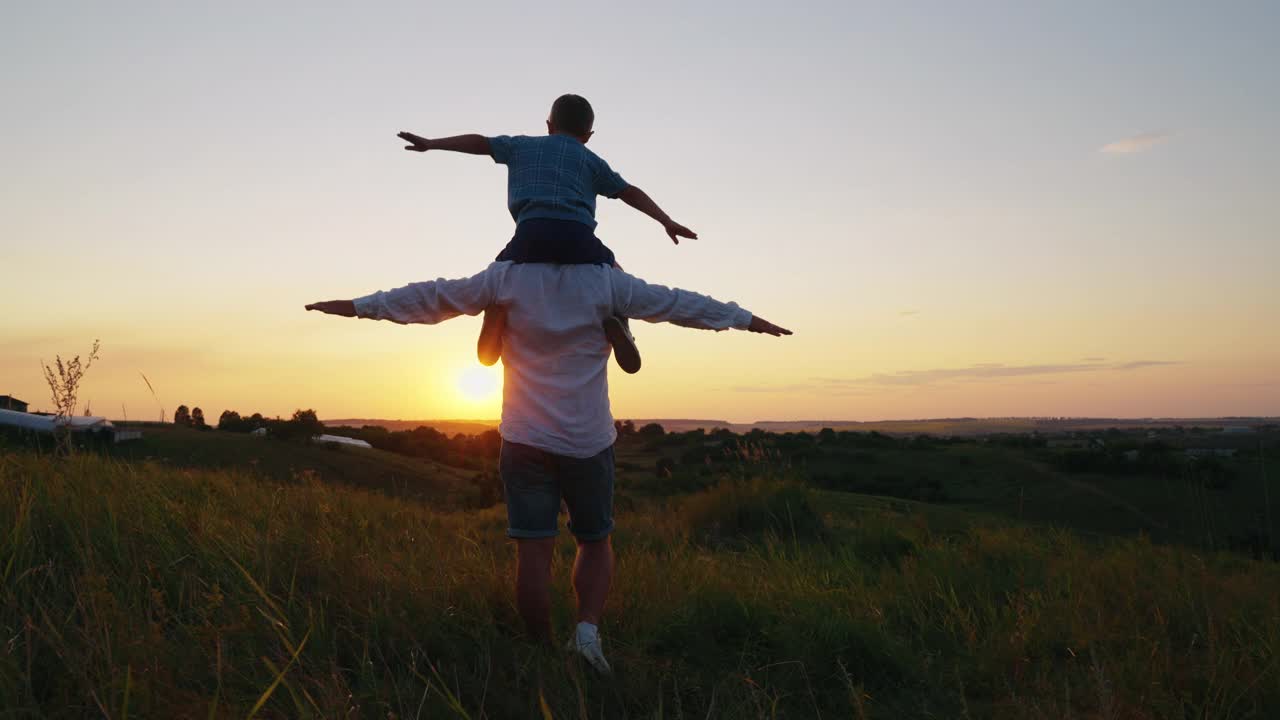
[
  {"x": 564, "y": 242},
  {"x": 535, "y": 480}
]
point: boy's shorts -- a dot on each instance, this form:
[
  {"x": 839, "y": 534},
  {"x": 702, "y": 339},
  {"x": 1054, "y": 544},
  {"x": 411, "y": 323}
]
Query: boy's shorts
[
  {"x": 565, "y": 242},
  {"x": 535, "y": 480}
]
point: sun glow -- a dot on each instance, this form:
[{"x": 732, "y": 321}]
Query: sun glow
[{"x": 479, "y": 384}]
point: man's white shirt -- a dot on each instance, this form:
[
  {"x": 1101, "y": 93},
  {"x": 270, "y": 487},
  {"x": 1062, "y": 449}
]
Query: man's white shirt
[{"x": 554, "y": 352}]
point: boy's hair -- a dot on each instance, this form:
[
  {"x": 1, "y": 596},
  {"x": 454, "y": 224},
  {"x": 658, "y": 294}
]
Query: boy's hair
[{"x": 572, "y": 114}]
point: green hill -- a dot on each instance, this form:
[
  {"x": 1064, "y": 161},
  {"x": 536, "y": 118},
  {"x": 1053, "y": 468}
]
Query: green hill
[
  {"x": 292, "y": 461},
  {"x": 140, "y": 588}
]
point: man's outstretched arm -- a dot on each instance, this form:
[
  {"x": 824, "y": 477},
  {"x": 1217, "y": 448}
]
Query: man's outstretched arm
[
  {"x": 635, "y": 298},
  {"x": 425, "y": 303},
  {"x": 470, "y": 144},
  {"x": 640, "y": 200}
]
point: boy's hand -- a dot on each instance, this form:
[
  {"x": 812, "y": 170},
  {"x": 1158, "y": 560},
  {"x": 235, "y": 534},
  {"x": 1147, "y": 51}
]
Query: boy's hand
[
  {"x": 416, "y": 143},
  {"x": 345, "y": 308},
  {"x": 760, "y": 325},
  {"x": 676, "y": 231}
]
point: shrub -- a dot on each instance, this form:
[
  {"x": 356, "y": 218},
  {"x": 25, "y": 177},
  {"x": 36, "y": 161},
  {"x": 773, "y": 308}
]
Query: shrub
[{"x": 752, "y": 509}]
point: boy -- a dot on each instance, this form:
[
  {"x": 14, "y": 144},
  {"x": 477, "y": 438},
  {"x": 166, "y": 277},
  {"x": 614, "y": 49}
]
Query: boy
[{"x": 552, "y": 184}]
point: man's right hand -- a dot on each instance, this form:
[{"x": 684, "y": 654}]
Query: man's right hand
[
  {"x": 760, "y": 325},
  {"x": 345, "y": 308},
  {"x": 416, "y": 143}
]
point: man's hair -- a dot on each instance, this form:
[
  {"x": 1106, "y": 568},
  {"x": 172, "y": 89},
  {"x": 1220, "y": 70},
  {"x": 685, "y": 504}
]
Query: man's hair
[{"x": 572, "y": 114}]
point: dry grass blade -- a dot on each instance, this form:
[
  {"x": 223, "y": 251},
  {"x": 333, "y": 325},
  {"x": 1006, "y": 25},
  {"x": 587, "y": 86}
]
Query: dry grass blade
[
  {"x": 266, "y": 694},
  {"x": 542, "y": 705},
  {"x": 258, "y": 589},
  {"x": 442, "y": 687}
]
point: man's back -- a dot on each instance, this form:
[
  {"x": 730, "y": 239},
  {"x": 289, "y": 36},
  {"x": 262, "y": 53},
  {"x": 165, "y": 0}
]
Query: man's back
[
  {"x": 556, "y": 394},
  {"x": 555, "y": 356}
]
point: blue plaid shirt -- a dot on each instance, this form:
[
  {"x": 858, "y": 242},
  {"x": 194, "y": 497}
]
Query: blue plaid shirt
[{"x": 553, "y": 176}]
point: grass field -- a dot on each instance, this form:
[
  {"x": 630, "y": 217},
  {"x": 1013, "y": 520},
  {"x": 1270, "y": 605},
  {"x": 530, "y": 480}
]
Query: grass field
[
  {"x": 141, "y": 588},
  {"x": 286, "y": 461}
]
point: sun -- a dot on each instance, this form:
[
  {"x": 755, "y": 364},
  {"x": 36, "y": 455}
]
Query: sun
[{"x": 478, "y": 384}]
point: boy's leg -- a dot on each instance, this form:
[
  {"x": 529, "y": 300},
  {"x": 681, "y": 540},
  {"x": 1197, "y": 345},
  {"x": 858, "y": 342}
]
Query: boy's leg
[
  {"x": 625, "y": 352},
  {"x": 489, "y": 346},
  {"x": 624, "y": 345}
]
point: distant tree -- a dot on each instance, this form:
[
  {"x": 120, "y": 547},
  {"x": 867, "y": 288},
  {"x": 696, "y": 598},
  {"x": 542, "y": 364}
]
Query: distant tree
[
  {"x": 722, "y": 434},
  {"x": 652, "y": 430},
  {"x": 256, "y": 421},
  {"x": 182, "y": 416},
  {"x": 628, "y": 427},
  {"x": 197, "y": 419},
  {"x": 303, "y": 426},
  {"x": 230, "y": 421},
  {"x": 488, "y": 443}
]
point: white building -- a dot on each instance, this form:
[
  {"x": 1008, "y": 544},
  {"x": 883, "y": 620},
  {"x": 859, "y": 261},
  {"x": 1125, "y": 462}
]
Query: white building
[
  {"x": 352, "y": 442},
  {"x": 49, "y": 423}
]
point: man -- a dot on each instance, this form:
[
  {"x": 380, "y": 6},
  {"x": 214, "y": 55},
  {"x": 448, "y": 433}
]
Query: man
[{"x": 557, "y": 430}]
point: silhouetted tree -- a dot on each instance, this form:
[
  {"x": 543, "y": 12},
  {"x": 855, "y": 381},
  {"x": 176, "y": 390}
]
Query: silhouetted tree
[
  {"x": 182, "y": 416},
  {"x": 303, "y": 426},
  {"x": 652, "y": 430},
  {"x": 197, "y": 419},
  {"x": 231, "y": 421}
]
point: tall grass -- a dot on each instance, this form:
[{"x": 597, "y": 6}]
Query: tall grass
[{"x": 143, "y": 591}]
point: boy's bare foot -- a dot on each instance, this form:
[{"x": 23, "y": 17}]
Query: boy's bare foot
[
  {"x": 624, "y": 345},
  {"x": 489, "y": 346}
]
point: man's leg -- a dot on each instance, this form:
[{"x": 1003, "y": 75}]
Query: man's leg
[
  {"x": 533, "y": 502},
  {"x": 592, "y": 574},
  {"x": 533, "y": 585},
  {"x": 587, "y": 485}
]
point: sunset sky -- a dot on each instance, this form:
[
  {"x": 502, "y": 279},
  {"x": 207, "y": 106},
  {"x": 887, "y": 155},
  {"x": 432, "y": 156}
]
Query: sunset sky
[{"x": 981, "y": 209}]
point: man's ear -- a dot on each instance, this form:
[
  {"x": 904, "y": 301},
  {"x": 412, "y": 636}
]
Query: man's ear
[
  {"x": 585, "y": 138},
  {"x": 551, "y": 129}
]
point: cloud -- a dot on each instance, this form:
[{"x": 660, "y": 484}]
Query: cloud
[
  {"x": 1136, "y": 143},
  {"x": 1139, "y": 364},
  {"x": 986, "y": 371},
  {"x": 982, "y": 372},
  {"x": 908, "y": 313}
]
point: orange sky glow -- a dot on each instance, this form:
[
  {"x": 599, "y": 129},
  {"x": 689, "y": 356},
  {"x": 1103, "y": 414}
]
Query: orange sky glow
[{"x": 1031, "y": 213}]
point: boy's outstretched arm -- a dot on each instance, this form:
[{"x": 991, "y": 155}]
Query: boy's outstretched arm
[
  {"x": 640, "y": 200},
  {"x": 470, "y": 144}
]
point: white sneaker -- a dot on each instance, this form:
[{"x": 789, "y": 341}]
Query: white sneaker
[{"x": 586, "y": 642}]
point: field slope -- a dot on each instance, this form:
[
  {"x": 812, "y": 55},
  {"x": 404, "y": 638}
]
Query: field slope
[
  {"x": 291, "y": 461},
  {"x": 133, "y": 588}
]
